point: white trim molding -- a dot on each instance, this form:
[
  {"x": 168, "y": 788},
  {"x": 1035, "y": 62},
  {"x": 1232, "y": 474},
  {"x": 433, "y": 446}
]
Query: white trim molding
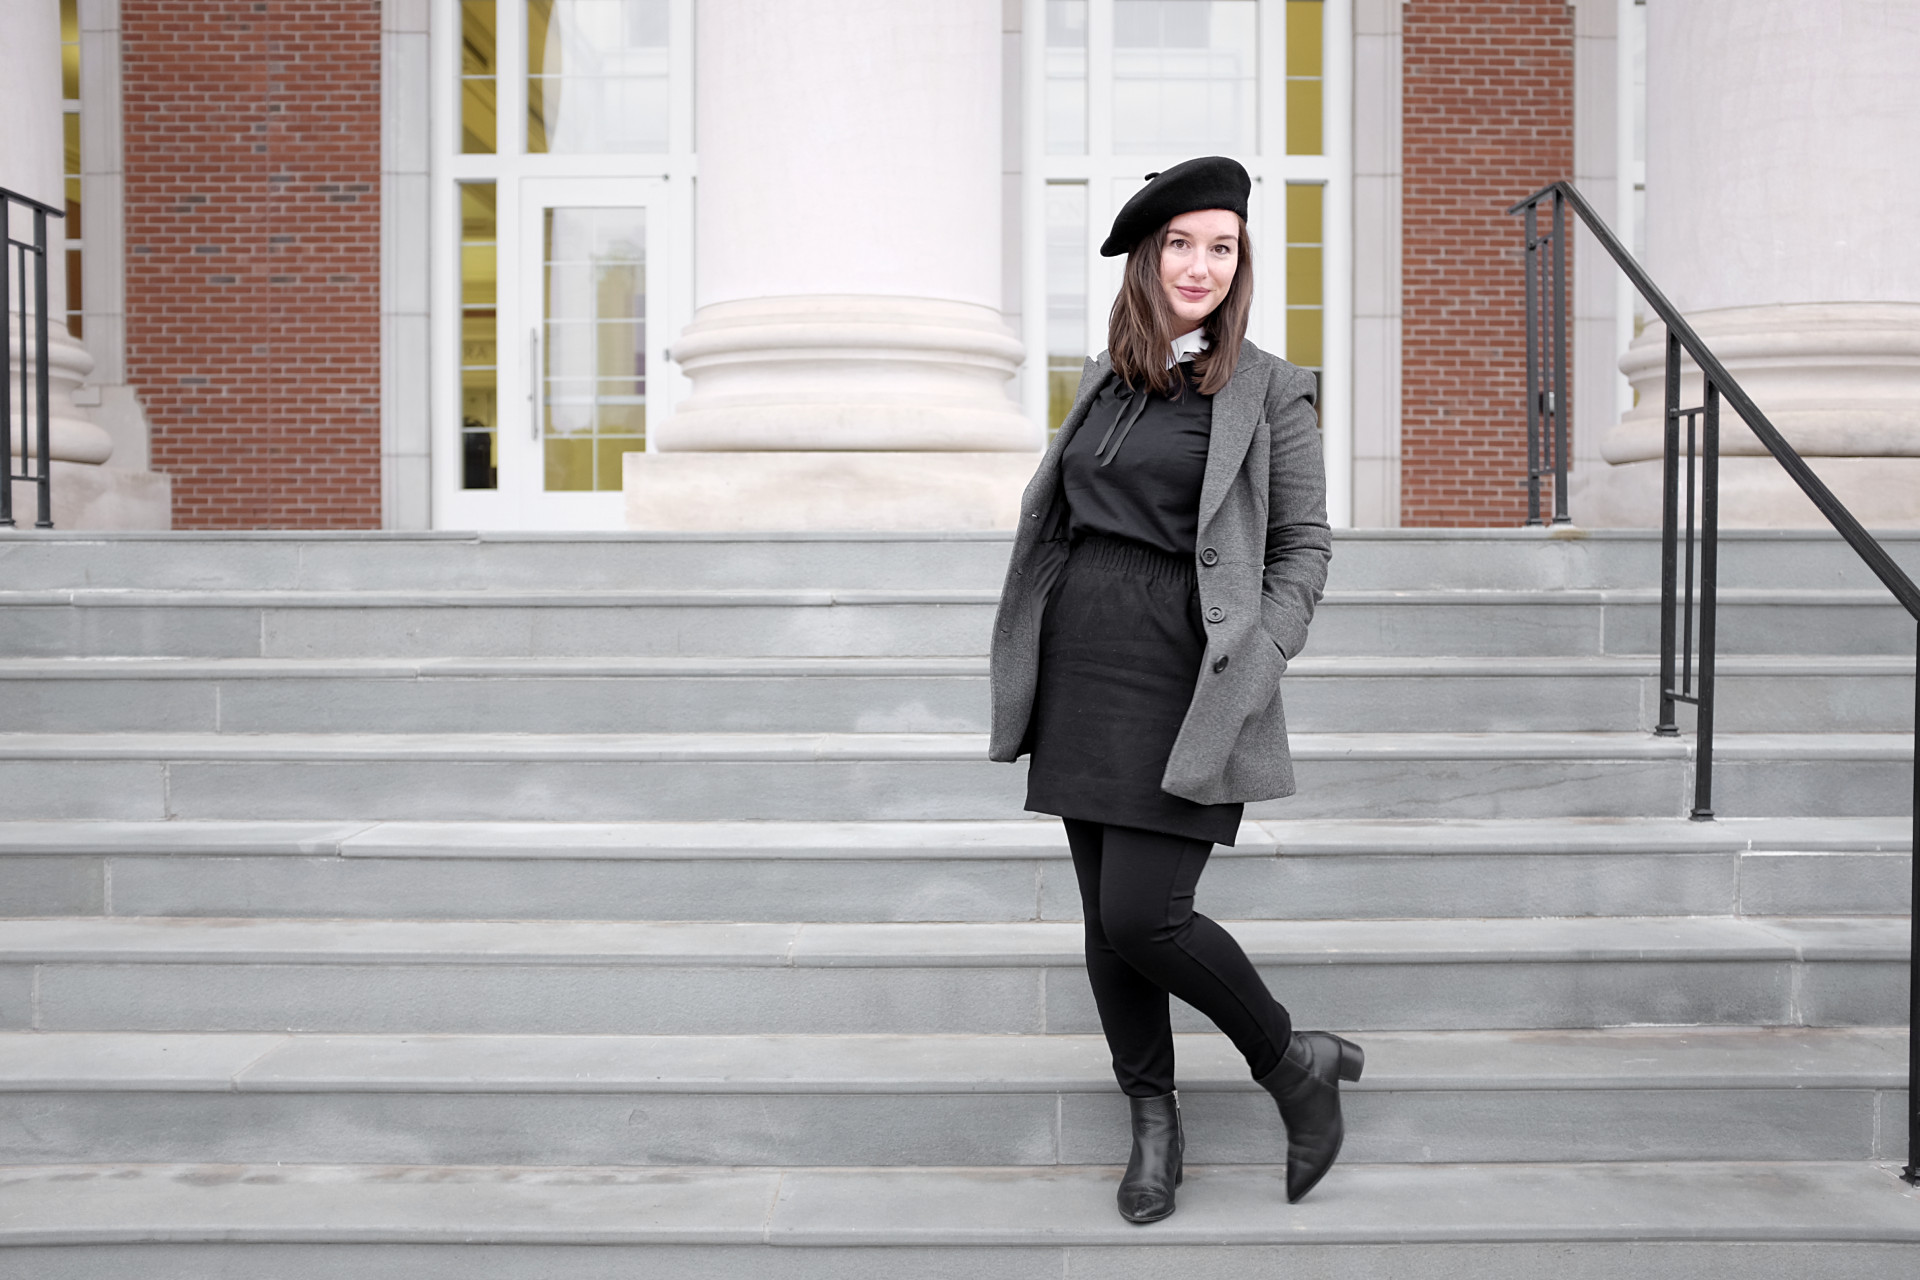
[
  {"x": 406, "y": 136},
  {"x": 1377, "y": 76}
]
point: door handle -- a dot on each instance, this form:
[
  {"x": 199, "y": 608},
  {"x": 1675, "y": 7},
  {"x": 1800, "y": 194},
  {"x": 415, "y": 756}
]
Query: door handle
[{"x": 533, "y": 383}]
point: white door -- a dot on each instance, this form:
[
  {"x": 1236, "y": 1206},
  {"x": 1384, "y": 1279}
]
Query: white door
[{"x": 579, "y": 338}]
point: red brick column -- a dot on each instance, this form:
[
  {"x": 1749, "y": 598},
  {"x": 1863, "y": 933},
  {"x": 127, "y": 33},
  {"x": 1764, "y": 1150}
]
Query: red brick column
[
  {"x": 1487, "y": 117},
  {"x": 252, "y": 158}
]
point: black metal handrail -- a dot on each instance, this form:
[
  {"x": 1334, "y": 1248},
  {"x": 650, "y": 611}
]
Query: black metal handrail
[
  {"x": 1703, "y": 441},
  {"x": 26, "y": 261}
]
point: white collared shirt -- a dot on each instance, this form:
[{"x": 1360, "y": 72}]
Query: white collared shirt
[{"x": 1187, "y": 346}]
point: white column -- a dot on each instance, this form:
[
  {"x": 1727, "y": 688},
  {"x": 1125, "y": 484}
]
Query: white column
[
  {"x": 86, "y": 495},
  {"x": 1781, "y": 194},
  {"x": 849, "y": 363},
  {"x": 30, "y": 165}
]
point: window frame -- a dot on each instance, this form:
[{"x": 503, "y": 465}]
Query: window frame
[{"x": 522, "y": 503}]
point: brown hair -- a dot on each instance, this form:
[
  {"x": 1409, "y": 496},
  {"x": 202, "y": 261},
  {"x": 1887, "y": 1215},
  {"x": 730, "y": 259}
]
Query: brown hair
[{"x": 1140, "y": 328}]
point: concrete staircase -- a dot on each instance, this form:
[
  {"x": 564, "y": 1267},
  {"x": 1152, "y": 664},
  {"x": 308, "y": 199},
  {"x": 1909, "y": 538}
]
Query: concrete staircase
[{"x": 609, "y": 906}]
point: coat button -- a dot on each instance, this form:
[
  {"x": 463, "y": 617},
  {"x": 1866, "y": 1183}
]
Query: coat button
[
  {"x": 1220, "y": 664},
  {"x": 1209, "y": 556},
  {"x": 1216, "y": 614}
]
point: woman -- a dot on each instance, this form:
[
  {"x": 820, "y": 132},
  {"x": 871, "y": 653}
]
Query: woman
[{"x": 1173, "y": 546}]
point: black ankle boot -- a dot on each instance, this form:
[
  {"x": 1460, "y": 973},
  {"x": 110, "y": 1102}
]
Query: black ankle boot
[
  {"x": 1306, "y": 1084},
  {"x": 1154, "y": 1170}
]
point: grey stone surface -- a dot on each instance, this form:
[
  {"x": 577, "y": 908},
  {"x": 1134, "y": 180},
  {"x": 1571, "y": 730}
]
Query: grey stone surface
[
  {"x": 258, "y": 839},
  {"x": 1359, "y": 1204},
  {"x": 564, "y": 630},
  {"x": 602, "y": 889},
  {"x": 1413, "y": 885},
  {"x": 1483, "y": 788},
  {"x": 606, "y": 695},
  {"x": 557, "y": 1261},
  {"x": 1429, "y": 995},
  {"x": 909, "y": 777},
  {"x": 676, "y": 704},
  {"x": 551, "y": 1000},
  {"x": 16, "y": 996},
  {"x": 52, "y": 887},
  {"x": 557, "y": 978},
  {"x": 1488, "y": 1126},
  {"x": 76, "y": 703},
  {"x": 1406, "y": 623},
  {"x": 83, "y": 790},
  {"x": 1779, "y": 622},
  {"x": 904, "y": 1100},
  {"x": 1784, "y": 883},
  {"x": 59, "y": 630},
  {"x": 1500, "y": 682},
  {"x": 967, "y": 888},
  {"x": 596, "y": 790},
  {"x": 1397, "y": 1203},
  {"x": 539, "y": 1129},
  {"x": 1780, "y": 788},
  {"x": 1671, "y": 1260}
]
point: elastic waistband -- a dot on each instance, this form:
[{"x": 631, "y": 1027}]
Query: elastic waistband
[{"x": 1136, "y": 559}]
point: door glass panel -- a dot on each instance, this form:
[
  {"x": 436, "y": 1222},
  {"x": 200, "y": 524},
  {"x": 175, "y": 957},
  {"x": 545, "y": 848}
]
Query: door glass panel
[
  {"x": 1305, "y": 76},
  {"x": 1306, "y": 290},
  {"x": 69, "y": 228},
  {"x": 479, "y": 109},
  {"x": 1066, "y": 296},
  {"x": 479, "y": 337},
  {"x": 1185, "y": 76},
  {"x": 594, "y": 370},
  {"x": 596, "y": 76},
  {"x": 1066, "y": 77}
]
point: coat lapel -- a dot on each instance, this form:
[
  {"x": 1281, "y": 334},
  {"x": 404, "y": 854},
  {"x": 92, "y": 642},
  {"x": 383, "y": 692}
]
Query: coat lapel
[{"x": 1236, "y": 411}]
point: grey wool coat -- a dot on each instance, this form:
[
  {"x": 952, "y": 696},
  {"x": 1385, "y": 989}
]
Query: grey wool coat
[{"x": 1261, "y": 558}]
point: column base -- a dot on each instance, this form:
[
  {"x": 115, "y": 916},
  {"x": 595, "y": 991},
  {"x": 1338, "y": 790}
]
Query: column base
[
  {"x": 1755, "y": 493},
  {"x": 846, "y": 373},
  {"x": 95, "y": 499},
  {"x": 825, "y": 491}
]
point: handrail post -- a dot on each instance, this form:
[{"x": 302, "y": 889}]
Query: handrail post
[
  {"x": 1669, "y": 540},
  {"x": 1709, "y": 582},
  {"x": 6, "y": 376},
  {"x": 1562, "y": 406},
  {"x": 1533, "y": 365},
  {"x": 42, "y": 388},
  {"x": 1912, "y": 1172}
]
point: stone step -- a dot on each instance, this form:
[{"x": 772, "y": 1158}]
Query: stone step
[
  {"x": 902, "y": 776},
  {"x": 1445, "y": 1097},
  {"x": 574, "y": 977},
  {"x": 879, "y": 622},
  {"x": 1363, "y": 559},
  {"x": 959, "y": 871},
  {"x": 1706, "y": 1220},
  {"x": 1767, "y": 694}
]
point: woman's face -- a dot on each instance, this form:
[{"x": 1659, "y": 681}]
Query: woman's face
[{"x": 1198, "y": 261}]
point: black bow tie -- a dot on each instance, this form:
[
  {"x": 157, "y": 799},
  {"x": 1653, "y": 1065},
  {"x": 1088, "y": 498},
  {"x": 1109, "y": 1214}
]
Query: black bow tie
[{"x": 1132, "y": 405}]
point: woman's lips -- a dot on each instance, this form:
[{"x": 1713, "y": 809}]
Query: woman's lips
[{"x": 1193, "y": 295}]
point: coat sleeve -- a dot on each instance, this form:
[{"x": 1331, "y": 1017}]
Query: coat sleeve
[{"x": 1299, "y": 542}]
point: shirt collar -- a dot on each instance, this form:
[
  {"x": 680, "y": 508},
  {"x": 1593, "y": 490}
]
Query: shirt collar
[{"x": 1187, "y": 346}]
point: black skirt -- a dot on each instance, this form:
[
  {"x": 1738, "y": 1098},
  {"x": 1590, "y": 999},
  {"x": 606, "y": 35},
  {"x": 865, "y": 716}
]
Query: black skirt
[{"x": 1120, "y": 649}]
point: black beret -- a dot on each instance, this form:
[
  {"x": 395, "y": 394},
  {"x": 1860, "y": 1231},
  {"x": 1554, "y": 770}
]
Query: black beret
[{"x": 1208, "y": 182}]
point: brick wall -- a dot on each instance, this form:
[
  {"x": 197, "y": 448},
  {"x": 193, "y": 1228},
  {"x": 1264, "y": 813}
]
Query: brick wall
[
  {"x": 1487, "y": 116},
  {"x": 253, "y": 256}
]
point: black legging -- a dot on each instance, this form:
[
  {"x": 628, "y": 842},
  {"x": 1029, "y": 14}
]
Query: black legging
[{"x": 1144, "y": 940}]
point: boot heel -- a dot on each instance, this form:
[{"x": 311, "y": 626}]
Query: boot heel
[{"x": 1353, "y": 1059}]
